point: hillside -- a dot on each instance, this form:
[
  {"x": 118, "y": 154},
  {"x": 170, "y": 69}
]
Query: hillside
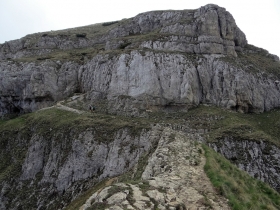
[
  {"x": 186, "y": 116},
  {"x": 57, "y": 154}
]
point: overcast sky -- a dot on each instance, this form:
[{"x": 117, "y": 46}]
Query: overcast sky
[{"x": 258, "y": 19}]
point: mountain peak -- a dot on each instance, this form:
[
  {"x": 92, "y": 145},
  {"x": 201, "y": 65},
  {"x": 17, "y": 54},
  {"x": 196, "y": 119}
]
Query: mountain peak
[
  {"x": 207, "y": 30},
  {"x": 210, "y": 60}
]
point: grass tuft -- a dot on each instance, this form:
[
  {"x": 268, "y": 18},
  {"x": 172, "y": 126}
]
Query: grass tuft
[{"x": 241, "y": 190}]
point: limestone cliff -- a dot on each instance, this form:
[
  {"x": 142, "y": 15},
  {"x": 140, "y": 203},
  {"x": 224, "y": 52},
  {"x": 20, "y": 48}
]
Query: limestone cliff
[
  {"x": 51, "y": 161},
  {"x": 156, "y": 60},
  {"x": 142, "y": 74}
]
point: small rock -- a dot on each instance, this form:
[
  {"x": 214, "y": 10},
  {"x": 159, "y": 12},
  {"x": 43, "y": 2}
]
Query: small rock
[{"x": 117, "y": 198}]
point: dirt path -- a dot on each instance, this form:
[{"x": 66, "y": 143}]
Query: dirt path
[
  {"x": 63, "y": 107},
  {"x": 59, "y": 105}
]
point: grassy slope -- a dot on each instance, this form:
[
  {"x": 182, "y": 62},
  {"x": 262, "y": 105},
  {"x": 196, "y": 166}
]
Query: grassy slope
[
  {"x": 257, "y": 61},
  {"x": 242, "y": 191},
  {"x": 16, "y": 133},
  {"x": 54, "y": 120},
  {"x": 221, "y": 123},
  {"x": 237, "y": 186}
]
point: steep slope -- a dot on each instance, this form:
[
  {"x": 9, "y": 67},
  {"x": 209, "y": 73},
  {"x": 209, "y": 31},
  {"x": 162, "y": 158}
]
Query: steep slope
[
  {"x": 156, "y": 81},
  {"x": 173, "y": 179},
  {"x": 51, "y": 156},
  {"x": 155, "y": 60}
]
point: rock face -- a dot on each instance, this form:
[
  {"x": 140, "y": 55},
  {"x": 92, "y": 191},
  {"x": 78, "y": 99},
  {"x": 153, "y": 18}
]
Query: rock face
[
  {"x": 259, "y": 159},
  {"x": 209, "y": 29},
  {"x": 156, "y": 61},
  {"x": 61, "y": 165},
  {"x": 160, "y": 79},
  {"x": 173, "y": 179},
  {"x": 26, "y": 87},
  {"x": 152, "y": 61},
  {"x": 140, "y": 81}
]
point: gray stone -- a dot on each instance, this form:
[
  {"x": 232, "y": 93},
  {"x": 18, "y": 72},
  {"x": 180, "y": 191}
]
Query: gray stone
[
  {"x": 117, "y": 198},
  {"x": 260, "y": 159},
  {"x": 159, "y": 197},
  {"x": 136, "y": 81}
]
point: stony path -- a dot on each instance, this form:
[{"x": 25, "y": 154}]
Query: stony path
[
  {"x": 173, "y": 179},
  {"x": 59, "y": 105}
]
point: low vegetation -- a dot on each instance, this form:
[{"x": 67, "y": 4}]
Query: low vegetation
[
  {"x": 221, "y": 123},
  {"x": 80, "y": 200},
  {"x": 257, "y": 61},
  {"x": 241, "y": 190},
  {"x": 109, "y": 23}
]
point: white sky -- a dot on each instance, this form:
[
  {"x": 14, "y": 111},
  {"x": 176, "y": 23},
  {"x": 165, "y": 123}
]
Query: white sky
[{"x": 258, "y": 19}]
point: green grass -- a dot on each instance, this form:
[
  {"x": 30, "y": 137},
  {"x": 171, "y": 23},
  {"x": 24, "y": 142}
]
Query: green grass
[
  {"x": 257, "y": 61},
  {"x": 74, "y": 55},
  {"x": 53, "y": 120},
  {"x": 12, "y": 152},
  {"x": 219, "y": 122},
  {"x": 80, "y": 200},
  {"x": 242, "y": 191},
  {"x": 223, "y": 123}
]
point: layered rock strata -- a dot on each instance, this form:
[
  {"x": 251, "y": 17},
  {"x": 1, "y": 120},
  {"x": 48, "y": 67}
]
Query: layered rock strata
[
  {"x": 155, "y": 60},
  {"x": 137, "y": 81}
]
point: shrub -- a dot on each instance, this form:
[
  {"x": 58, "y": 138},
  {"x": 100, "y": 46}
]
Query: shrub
[
  {"x": 109, "y": 23},
  {"x": 81, "y": 35}
]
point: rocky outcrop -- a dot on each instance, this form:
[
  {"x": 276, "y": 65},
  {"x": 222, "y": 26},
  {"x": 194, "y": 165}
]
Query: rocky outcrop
[
  {"x": 173, "y": 179},
  {"x": 160, "y": 79},
  {"x": 260, "y": 159},
  {"x": 209, "y": 29},
  {"x": 152, "y": 61},
  {"x": 137, "y": 81},
  {"x": 58, "y": 165},
  {"x": 26, "y": 87}
]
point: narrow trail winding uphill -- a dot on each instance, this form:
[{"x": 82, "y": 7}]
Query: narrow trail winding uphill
[
  {"x": 173, "y": 179},
  {"x": 59, "y": 105}
]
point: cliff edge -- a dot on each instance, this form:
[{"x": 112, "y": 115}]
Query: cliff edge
[{"x": 159, "y": 60}]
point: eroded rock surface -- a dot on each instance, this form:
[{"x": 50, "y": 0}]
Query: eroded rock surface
[
  {"x": 60, "y": 165},
  {"x": 133, "y": 81},
  {"x": 26, "y": 87},
  {"x": 173, "y": 179},
  {"x": 154, "y": 60},
  {"x": 260, "y": 159},
  {"x": 209, "y": 29}
]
